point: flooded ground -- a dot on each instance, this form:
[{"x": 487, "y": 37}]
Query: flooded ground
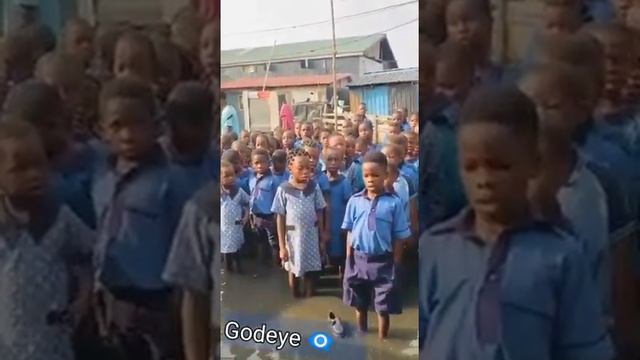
[{"x": 261, "y": 296}]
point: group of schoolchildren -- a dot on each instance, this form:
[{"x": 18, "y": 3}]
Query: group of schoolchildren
[
  {"x": 310, "y": 197},
  {"x": 108, "y": 205},
  {"x": 530, "y": 186}
]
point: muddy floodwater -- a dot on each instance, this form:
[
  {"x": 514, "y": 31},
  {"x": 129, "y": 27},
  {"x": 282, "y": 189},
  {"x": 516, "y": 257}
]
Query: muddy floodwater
[{"x": 261, "y": 296}]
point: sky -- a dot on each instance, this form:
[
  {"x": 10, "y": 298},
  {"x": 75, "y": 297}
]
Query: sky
[{"x": 238, "y": 17}]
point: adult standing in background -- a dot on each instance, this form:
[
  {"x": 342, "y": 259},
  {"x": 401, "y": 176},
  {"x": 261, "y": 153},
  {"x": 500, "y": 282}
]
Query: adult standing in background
[
  {"x": 286, "y": 117},
  {"x": 229, "y": 120}
]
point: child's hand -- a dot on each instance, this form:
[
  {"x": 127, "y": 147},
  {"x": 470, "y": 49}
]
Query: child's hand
[{"x": 284, "y": 255}]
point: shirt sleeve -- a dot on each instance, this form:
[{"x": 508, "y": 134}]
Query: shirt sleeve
[
  {"x": 279, "y": 203},
  {"x": 244, "y": 198},
  {"x": 319, "y": 199},
  {"x": 192, "y": 252},
  {"x": 349, "y": 216},
  {"x": 581, "y": 334},
  {"x": 79, "y": 242},
  {"x": 348, "y": 191},
  {"x": 401, "y": 228}
]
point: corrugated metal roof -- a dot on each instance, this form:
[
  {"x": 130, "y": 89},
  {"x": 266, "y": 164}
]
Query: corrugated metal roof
[
  {"x": 387, "y": 77},
  {"x": 356, "y": 45},
  {"x": 282, "y": 81}
]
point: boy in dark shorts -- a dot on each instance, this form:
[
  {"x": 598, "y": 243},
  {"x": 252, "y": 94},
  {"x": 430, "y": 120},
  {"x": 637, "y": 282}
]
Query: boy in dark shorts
[{"x": 377, "y": 224}]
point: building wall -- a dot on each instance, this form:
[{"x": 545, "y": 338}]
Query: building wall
[
  {"x": 355, "y": 66},
  {"x": 404, "y": 95}
]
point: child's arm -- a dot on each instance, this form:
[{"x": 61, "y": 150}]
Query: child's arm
[
  {"x": 413, "y": 207},
  {"x": 400, "y": 231},
  {"x": 195, "y": 312},
  {"x": 279, "y": 208},
  {"x": 349, "y": 248}
]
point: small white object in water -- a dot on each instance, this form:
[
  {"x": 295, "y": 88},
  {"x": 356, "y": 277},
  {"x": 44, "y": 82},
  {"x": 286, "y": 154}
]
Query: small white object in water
[{"x": 336, "y": 325}]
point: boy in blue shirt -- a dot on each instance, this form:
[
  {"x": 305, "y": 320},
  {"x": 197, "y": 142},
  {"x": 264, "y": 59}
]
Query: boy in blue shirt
[
  {"x": 139, "y": 201},
  {"x": 339, "y": 193},
  {"x": 377, "y": 227},
  {"x": 495, "y": 282},
  {"x": 263, "y": 186},
  {"x": 279, "y": 166},
  {"x": 189, "y": 114}
]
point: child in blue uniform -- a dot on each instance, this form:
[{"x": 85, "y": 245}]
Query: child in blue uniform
[
  {"x": 298, "y": 206},
  {"x": 519, "y": 277},
  {"x": 288, "y": 140},
  {"x": 187, "y": 145},
  {"x": 234, "y": 214},
  {"x": 400, "y": 184},
  {"x": 413, "y": 151},
  {"x": 263, "y": 186},
  {"x": 262, "y": 142},
  {"x": 377, "y": 228},
  {"x": 407, "y": 170},
  {"x": 339, "y": 193},
  {"x": 306, "y": 132},
  {"x": 279, "y": 166},
  {"x": 139, "y": 200},
  {"x": 365, "y": 132}
]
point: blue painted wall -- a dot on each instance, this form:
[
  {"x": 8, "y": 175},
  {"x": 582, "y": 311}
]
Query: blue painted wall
[{"x": 377, "y": 99}]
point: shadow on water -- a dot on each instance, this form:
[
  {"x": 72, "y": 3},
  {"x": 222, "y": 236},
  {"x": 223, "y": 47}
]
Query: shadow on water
[{"x": 261, "y": 296}]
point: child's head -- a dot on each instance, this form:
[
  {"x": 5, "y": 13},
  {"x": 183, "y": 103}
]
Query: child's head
[
  {"x": 77, "y": 38},
  {"x": 64, "y": 72},
  {"x": 300, "y": 167},
  {"x": 561, "y": 16},
  {"x": 234, "y": 158},
  {"x": 40, "y": 105},
  {"x": 400, "y": 141},
  {"x": 306, "y": 130},
  {"x": 225, "y": 141},
  {"x": 498, "y": 138},
  {"x": 210, "y": 49},
  {"x": 260, "y": 161},
  {"x": 394, "y": 154},
  {"x": 336, "y": 141},
  {"x": 296, "y": 129},
  {"x": 317, "y": 127},
  {"x": 262, "y": 142},
  {"x": 311, "y": 148},
  {"x": 277, "y": 133},
  {"x": 17, "y": 57},
  {"x": 414, "y": 121},
  {"x": 245, "y": 137},
  {"x": 106, "y": 38},
  {"x": 127, "y": 109},
  {"x": 253, "y": 138},
  {"x": 288, "y": 140},
  {"x": 469, "y": 24},
  {"x": 334, "y": 159},
  {"x": 350, "y": 146},
  {"x": 243, "y": 150},
  {"x": 190, "y": 116},
  {"x": 397, "y": 118},
  {"x": 279, "y": 161},
  {"x": 135, "y": 57},
  {"x": 169, "y": 65},
  {"x": 23, "y": 162},
  {"x": 374, "y": 171},
  {"x": 455, "y": 71},
  {"x": 361, "y": 146},
  {"x": 615, "y": 40},
  {"x": 561, "y": 96},
  {"x": 227, "y": 174},
  {"x": 393, "y": 127},
  {"x": 324, "y": 137},
  {"x": 365, "y": 131},
  {"x": 413, "y": 144}
]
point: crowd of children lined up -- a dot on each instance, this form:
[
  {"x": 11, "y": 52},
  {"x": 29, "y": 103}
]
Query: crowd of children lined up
[
  {"x": 530, "y": 185},
  {"x": 313, "y": 197},
  {"x": 104, "y": 139}
]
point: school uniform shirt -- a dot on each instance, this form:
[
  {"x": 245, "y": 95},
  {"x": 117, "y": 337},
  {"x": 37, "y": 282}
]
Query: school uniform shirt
[
  {"x": 263, "y": 191},
  {"x": 441, "y": 191},
  {"x": 406, "y": 127},
  {"x": 405, "y": 192},
  {"x": 138, "y": 212},
  {"x": 193, "y": 261},
  {"x": 301, "y": 208},
  {"x": 528, "y": 297},
  {"x": 242, "y": 179},
  {"x": 375, "y": 224},
  {"x": 583, "y": 202},
  {"x": 322, "y": 180},
  {"x": 354, "y": 174},
  {"x": 193, "y": 172},
  {"x": 339, "y": 194},
  {"x": 280, "y": 178},
  {"x": 410, "y": 173},
  {"x": 36, "y": 272},
  {"x": 234, "y": 204}
]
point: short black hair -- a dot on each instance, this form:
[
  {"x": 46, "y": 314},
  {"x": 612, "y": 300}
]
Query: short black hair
[
  {"x": 143, "y": 41},
  {"x": 503, "y": 105},
  {"x": 279, "y": 156},
  {"x": 260, "y": 152},
  {"x": 231, "y": 156},
  {"x": 227, "y": 164},
  {"x": 190, "y": 101},
  {"x": 33, "y": 101},
  {"x": 127, "y": 88},
  {"x": 292, "y": 154},
  {"x": 376, "y": 157}
]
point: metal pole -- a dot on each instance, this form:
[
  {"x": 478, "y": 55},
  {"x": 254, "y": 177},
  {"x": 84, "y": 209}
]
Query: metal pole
[
  {"x": 266, "y": 73},
  {"x": 335, "y": 81}
]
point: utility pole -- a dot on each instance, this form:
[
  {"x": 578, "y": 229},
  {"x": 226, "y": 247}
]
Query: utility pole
[{"x": 335, "y": 81}]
